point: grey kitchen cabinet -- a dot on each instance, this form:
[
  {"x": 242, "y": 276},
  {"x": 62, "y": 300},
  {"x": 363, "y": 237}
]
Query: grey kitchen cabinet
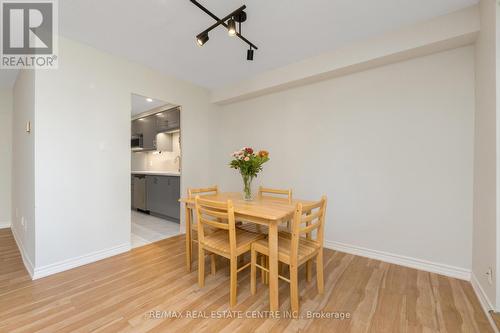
[
  {"x": 163, "y": 193},
  {"x": 139, "y": 192},
  {"x": 149, "y": 133},
  {"x": 149, "y": 127},
  {"x": 136, "y": 127},
  {"x": 168, "y": 121},
  {"x": 146, "y": 127}
]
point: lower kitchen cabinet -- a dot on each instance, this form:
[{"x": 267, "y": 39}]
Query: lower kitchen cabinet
[{"x": 163, "y": 193}]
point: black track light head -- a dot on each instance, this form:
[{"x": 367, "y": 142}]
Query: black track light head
[
  {"x": 250, "y": 54},
  {"x": 231, "y": 27},
  {"x": 201, "y": 39}
]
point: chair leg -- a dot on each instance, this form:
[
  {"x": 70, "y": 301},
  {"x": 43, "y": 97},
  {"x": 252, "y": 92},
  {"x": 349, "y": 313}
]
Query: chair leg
[
  {"x": 234, "y": 282},
  {"x": 262, "y": 272},
  {"x": 319, "y": 272},
  {"x": 212, "y": 264},
  {"x": 253, "y": 271},
  {"x": 266, "y": 274},
  {"x": 201, "y": 266},
  {"x": 294, "y": 288},
  {"x": 309, "y": 270}
]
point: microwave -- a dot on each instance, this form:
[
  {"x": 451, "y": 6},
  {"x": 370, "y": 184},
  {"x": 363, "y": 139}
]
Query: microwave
[{"x": 137, "y": 142}]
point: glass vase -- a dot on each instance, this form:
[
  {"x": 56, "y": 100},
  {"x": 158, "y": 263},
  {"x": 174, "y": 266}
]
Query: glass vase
[{"x": 247, "y": 187}]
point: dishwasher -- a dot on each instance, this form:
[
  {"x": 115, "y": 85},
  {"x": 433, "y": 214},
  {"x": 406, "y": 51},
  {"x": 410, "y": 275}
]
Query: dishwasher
[{"x": 139, "y": 192}]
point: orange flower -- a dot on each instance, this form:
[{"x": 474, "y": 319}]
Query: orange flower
[{"x": 263, "y": 153}]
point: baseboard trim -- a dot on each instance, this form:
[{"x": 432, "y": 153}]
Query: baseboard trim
[
  {"x": 5, "y": 224},
  {"x": 85, "y": 259},
  {"x": 424, "y": 265},
  {"x": 24, "y": 256},
  {"x": 483, "y": 300}
]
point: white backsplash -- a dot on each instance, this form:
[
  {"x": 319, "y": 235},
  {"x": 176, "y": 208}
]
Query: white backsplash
[{"x": 156, "y": 161}]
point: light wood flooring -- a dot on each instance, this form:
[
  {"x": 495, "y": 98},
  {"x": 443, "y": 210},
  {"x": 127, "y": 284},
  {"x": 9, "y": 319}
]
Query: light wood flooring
[{"x": 119, "y": 293}]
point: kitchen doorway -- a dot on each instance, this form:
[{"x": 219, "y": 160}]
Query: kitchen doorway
[{"x": 156, "y": 158}]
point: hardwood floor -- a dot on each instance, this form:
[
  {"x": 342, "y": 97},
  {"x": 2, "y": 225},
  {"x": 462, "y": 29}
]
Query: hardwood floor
[{"x": 119, "y": 293}]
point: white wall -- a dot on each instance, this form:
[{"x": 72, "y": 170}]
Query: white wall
[
  {"x": 485, "y": 148},
  {"x": 496, "y": 277},
  {"x": 6, "y": 156},
  {"x": 392, "y": 147},
  {"x": 83, "y": 150},
  {"x": 23, "y": 166}
]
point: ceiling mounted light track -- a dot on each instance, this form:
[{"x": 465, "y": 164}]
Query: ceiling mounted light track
[{"x": 237, "y": 16}]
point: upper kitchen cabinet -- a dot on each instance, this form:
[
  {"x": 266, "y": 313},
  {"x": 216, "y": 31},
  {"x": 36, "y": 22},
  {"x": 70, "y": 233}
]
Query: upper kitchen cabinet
[
  {"x": 168, "y": 120},
  {"x": 145, "y": 129},
  {"x": 136, "y": 127}
]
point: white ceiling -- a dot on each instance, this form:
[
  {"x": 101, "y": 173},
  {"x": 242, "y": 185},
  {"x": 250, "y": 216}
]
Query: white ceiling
[
  {"x": 140, "y": 104},
  {"x": 161, "y": 33}
]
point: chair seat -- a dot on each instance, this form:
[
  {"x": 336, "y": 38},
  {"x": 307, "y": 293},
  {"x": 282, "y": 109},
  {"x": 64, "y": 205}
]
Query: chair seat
[
  {"x": 219, "y": 241},
  {"x": 307, "y": 249}
]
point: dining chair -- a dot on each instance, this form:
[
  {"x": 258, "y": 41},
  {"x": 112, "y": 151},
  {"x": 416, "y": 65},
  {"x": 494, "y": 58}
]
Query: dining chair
[
  {"x": 297, "y": 249},
  {"x": 228, "y": 241},
  {"x": 275, "y": 193},
  {"x": 193, "y": 192},
  {"x": 269, "y": 193}
]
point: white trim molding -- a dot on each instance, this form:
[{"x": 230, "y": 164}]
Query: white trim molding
[
  {"x": 424, "y": 265},
  {"x": 24, "y": 255},
  {"x": 85, "y": 259},
  {"x": 483, "y": 300},
  {"x": 5, "y": 224}
]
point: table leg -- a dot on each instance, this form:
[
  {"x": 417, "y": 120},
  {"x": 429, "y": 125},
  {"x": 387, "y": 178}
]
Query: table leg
[
  {"x": 273, "y": 267},
  {"x": 189, "y": 249}
]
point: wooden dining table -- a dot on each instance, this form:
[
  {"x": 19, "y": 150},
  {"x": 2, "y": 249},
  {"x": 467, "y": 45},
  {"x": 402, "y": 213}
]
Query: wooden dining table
[{"x": 266, "y": 211}]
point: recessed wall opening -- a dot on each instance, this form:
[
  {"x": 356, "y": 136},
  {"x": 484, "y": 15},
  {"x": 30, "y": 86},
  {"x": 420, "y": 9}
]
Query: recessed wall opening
[{"x": 155, "y": 144}]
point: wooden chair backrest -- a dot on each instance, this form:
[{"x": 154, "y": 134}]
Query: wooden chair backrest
[
  {"x": 192, "y": 192},
  {"x": 308, "y": 218},
  {"x": 216, "y": 215},
  {"x": 272, "y": 192}
]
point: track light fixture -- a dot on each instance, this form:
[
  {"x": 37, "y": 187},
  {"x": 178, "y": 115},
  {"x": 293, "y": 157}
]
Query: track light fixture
[
  {"x": 231, "y": 27},
  {"x": 237, "y": 16},
  {"x": 202, "y": 38},
  {"x": 250, "y": 54}
]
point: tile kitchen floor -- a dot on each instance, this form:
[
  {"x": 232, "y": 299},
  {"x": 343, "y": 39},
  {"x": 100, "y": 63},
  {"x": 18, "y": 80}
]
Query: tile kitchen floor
[{"x": 147, "y": 229}]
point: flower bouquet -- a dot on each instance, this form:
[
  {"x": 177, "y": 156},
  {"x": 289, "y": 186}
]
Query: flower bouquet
[{"x": 249, "y": 165}]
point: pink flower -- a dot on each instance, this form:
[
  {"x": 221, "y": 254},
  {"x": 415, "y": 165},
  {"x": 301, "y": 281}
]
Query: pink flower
[{"x": 247, "y": 158}]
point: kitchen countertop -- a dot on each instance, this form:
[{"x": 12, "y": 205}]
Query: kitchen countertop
[{"x": 157, "y": 173}]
